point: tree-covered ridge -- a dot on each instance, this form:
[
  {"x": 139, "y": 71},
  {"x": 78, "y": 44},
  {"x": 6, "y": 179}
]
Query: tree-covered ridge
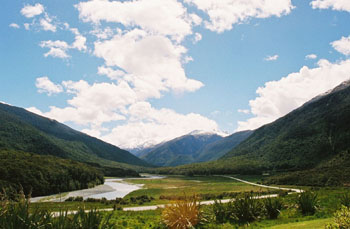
[
  {"x": 44, "y": 175},
  {"x": 304, "y": 138},
  {"x": 309, "y": 145},
  {"x": 23, "y": 130}
]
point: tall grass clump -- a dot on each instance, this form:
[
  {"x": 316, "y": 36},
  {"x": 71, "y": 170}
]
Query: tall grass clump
[
  {"x": 272, "y": 207},
  {"x": 246, "y": 209},
  {"x": 16, "y": 215},
  {"x": 182, "y": 213},
  {"x": 221, "y": 213},
  {"x": 307, "y": 203}
]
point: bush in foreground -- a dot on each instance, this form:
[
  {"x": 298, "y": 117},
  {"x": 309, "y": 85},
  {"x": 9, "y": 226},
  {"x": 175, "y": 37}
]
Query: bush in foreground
[
  {"x": 307, "y": 203},
  {"x": 182, "y": 213},
  {"x": 273, "y": 207}
]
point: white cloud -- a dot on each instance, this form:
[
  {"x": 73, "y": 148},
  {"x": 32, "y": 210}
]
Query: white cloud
[
  {"x": 80, "y": 41},
  {"x": 311, "y": 57},
  {"x": 197, "y": 37},
  {"x": 59, "y": 48},
  {"x": 341, "y": 5},
  {"x": 152, "y": 63},
  {"x": 271, "y": 58},
  {"x": 224, "y": 14},
  {"x": 111, "y": 73},
  {"x": 32, "y": 10},
  {"x": 342, "y": 45},
  {"x": 162, "y": 17},
  {"x": 26, "y": 26},
  {"x": 147, "y": 126},
  {"x": 277, "y": 98},
  {"x": 244, "y": 111},
  {"x": 105, "y": 33},
  {"x": 56, "y": 48},
  {"x": 14, "y": 25},
  {"x": 45, "y": 85},
  {"x": 47, "y": 25}
]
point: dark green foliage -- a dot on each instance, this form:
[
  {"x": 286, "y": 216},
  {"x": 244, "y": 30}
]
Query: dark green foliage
[
  {"x": 307, "y": 203},
  {"x": 246, "y": 209},
  {"x": 42, "y": 175},
  {"x": 28, "y": 132},
  {"x": 16, "y": 215},
  {"x": 221, "y": 212},
  {"x": 273, "y": 207},
  {"x": 345, "y": 199}
]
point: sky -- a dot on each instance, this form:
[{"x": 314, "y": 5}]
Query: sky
[{"x": 138, "y": 72}]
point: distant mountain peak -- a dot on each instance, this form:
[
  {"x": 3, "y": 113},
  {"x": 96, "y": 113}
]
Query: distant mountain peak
[
  {"x": 340, "y": 87},
  {"x": 205, "y": 132}
]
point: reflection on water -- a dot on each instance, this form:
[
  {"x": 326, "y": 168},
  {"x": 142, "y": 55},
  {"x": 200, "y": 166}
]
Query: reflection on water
[
  {"x": 120, "y": 189},
  {"x": 111, "y": 189}
]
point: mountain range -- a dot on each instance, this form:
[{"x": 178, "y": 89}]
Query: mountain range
[
  {"x": 313, "y": 140},
  {"x": 196, "y": 146}
]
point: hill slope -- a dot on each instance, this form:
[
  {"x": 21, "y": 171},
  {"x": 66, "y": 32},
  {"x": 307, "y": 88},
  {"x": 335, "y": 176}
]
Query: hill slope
[
  {"x": 179, "y": 151},
  {"x": 28, "y": 132},
  {"x": 307, "y": 136},
  {"x": 217, "y": 149},
  {"x": 310, "y": 144}
]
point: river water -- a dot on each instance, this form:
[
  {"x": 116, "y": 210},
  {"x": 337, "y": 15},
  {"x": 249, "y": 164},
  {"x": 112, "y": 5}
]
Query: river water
[{"x": 111, "y": 189}]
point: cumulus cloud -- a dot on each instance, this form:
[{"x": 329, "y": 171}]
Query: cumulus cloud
[
  {"x": 162, "y": 17},
  {"x": 224, "y": 14},
  {"x": 271, "y": 58},
  {"x": 45, "y": 85},
  {"x": 59, "y": 48},
  {"x": 46, "y": 24},
  {"x": 147, "y": 126},
  {"x": 80, "y": 41},
  {"x": 30, "y": 11},
  {"x": 111, "y": 73},
  {"x": 341, "y": 5},
  {"x": 342, "y": 45},
  {"x": 152, "y": 63},
  {"x": 277, "y": 98},
  {"x": 14, "y": 25},
  {"x": 56, "y": 48},
  {"x": 311, "y": 57}
]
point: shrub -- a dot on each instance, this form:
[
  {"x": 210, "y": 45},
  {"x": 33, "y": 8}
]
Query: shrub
[
  {"x": 182, "y": 214},
  {"x": 345, "y": 200},
  {"x": 307, "y": 203},
  {"x": 341, "y": 219},
  {"x": 221, "y": 212},
  {"x": 272, "y": 207},
  {"x": 246, "y": 209}
]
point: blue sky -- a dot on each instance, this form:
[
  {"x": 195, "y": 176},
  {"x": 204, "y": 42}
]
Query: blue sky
[{"x": 136, "y": 73}]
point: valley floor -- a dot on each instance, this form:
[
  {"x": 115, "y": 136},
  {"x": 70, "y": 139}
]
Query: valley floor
[{"x": 168, "y": 189}]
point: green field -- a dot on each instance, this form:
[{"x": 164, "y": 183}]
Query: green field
[{"x": 183, "y": 185}]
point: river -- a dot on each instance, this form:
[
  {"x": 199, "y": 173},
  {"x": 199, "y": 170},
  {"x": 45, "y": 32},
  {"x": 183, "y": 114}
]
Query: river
[{"x": 111, "y": 189}]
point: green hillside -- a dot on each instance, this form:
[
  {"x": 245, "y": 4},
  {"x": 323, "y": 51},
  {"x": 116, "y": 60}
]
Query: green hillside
[
  {"x": 28, "y": 132},
  {"x": 217, "y": 149},
  {"x": 43, "y": 175},
  {"x": 311, "y": 141},
  {"x": 179, "y": 151}
]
